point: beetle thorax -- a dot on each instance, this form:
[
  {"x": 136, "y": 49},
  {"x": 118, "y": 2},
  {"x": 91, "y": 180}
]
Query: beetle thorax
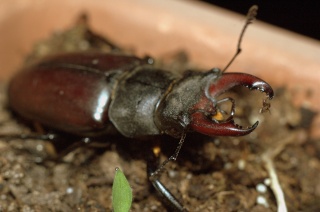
[{"x": 135, "y": 99}]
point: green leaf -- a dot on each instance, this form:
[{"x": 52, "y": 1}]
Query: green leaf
[{"x": 121, "y": 193}]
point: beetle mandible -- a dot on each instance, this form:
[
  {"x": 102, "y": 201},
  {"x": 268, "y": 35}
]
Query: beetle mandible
[{"x": 88, "y": 94}]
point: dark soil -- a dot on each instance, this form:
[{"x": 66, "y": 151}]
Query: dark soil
[{"x": 210, "y": 174}]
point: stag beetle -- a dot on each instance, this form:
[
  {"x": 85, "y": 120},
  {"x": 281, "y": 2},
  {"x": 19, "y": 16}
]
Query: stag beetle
[{"x": 89, "y": 94}]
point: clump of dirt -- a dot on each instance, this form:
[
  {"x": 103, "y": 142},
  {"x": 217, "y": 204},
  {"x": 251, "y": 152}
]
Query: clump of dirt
[{"x": 249, "y": 173}]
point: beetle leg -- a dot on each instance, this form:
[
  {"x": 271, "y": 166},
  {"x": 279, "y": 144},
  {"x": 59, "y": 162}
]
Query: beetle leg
[
  {"x": 45, "y": 137},
  {"x": 206, "y": 117},
  {"x": 55, "y": 139},
  {"x": 154, "y": 170},
  {"x": 50, "y": 152}
]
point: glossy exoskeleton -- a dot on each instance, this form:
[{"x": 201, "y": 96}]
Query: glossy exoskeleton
[
  {"x": 91, "y": 94},
  {"x": 88, "y": 94}
]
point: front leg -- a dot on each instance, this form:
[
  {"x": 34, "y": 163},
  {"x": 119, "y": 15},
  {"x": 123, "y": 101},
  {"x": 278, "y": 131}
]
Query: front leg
[{"x": 153, "y": 173}]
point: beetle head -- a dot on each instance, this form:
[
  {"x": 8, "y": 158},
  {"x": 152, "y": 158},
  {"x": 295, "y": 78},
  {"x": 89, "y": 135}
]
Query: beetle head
[{"x": 208, "y": 119}]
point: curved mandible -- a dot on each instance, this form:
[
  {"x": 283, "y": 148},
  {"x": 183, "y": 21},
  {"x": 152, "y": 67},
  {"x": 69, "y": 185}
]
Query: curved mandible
[{"x": 203, "y": 118}]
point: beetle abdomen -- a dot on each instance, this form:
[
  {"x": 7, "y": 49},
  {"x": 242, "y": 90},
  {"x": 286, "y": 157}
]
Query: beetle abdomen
[{"x": 71, "y": 92}]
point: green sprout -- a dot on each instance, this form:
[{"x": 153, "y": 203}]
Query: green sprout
[{"x": 121, "y": 193}]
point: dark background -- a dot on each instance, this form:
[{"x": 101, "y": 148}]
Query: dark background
[{"x": 302, "y": 17}]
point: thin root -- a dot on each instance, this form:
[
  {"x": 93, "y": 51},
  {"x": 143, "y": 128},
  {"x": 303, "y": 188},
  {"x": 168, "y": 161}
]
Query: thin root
[
  {"x": 275, "y": 184},
  {"x": 268, "y": 157}
]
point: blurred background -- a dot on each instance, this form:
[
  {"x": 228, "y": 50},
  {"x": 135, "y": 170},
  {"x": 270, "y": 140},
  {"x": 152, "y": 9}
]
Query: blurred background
[{"x": 302, "y": 17}]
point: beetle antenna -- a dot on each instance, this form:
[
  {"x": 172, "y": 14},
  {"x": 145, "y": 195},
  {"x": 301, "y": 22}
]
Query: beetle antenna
[
  {"x": 251, "y": 16},
  {"x": 171, "y": 158}
]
